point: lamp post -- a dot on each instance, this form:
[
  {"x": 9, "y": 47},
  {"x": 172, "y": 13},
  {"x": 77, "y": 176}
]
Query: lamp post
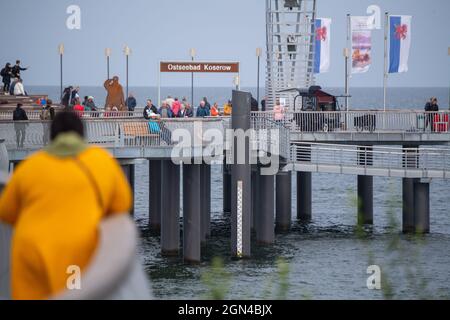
[
  {"x": 192, "y": 53},
  {"x": 127, "y": 52},
  {"x": 236, "y": 82},
  {"x": 258, "y": 54},
  {"x": 107, "y": 54},
  {"x": 449, "y": 86},
  {"x": 61, "y": 53}
]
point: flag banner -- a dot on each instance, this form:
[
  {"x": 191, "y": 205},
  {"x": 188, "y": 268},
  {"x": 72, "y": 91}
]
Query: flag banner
[
  {"x": 362, "y": 23},
  {"x": 400, "y": 43},
  {"x": 361, "y": 51},
  {"x": 322, "y": 50}
]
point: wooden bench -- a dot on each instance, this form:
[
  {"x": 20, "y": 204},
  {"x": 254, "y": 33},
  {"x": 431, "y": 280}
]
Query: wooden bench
[{"x": 138, "y": 133}]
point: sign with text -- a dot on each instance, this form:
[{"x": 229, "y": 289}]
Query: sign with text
[{"x": 213, "y": 67}]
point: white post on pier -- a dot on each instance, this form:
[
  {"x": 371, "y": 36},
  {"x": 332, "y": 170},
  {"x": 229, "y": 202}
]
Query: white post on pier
[{"x": 385, "y": 75}]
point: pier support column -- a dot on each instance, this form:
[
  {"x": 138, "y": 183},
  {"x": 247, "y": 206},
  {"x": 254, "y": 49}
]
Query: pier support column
[
  {"x": 265, "y": 232},
  {"x": 205, "y": 200},
  {"x": 365, "y": 200},
  {"x": 422, "y": 207},
  {"x": 128, "y": 170},
  {"x": 170, "y": 208},
  {"x": 226, "y": 189},
  {"x": 304, "y": 196},
  {"x": 410, "y": 160},
  {"x": 155, "y": 196},
  {"x": 241, "y": 196},
  {"x": 408, "y": 225},
  {"x": 365, "y": 187},
  {"x": 283, "y": 201},
  {"x": 191, "y": 213},
  {"x": 256, "y": 199}
]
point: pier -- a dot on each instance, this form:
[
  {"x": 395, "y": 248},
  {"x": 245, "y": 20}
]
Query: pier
[{"x": 397, "y": 148}]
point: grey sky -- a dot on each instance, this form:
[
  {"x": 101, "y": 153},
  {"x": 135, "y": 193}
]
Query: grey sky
[{"x": 218, "y": 29}]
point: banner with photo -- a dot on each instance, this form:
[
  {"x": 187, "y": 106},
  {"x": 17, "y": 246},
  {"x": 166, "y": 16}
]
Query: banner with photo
[{"x": 361, "y": 51}]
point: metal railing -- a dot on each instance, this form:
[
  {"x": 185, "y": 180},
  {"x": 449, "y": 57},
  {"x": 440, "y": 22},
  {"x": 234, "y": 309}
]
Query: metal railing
[
  {"x": 108, "y": 132},
  {"x": 361, "y": 121},
  {"x": 35, "y": 114},
  {"x": 372, "y": 157}
]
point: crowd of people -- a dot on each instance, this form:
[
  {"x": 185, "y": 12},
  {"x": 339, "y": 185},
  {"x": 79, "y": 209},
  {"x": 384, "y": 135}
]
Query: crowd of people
[{"x": 12, "y": 80}]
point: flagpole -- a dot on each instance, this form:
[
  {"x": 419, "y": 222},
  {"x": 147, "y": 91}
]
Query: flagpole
[
  {"x": 385, "y": 76},
  {"x": 347, "y": 61}
]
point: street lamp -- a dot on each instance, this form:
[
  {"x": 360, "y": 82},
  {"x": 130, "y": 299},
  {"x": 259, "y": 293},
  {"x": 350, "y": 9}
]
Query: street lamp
[
  {"x": 236, "y": 82},
  {"x": 61, "y": 53},
  {"x": 258, "y": 54},
  {"x": 127, "y": 52},
  {"x": 449, "y": 86},
  {"x": 192, "y": 53},
  {"x": 107, "y": 54}
]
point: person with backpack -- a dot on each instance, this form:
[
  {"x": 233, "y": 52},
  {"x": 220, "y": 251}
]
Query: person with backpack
[
  {"x": 19, "y": 115},
  {"x": 6, "y": 74}
]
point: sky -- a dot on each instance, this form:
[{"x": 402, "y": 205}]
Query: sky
[{"x": 228, "y": 30}]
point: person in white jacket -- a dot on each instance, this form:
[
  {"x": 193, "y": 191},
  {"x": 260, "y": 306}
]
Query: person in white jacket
[{"x": 19, "y": 90}]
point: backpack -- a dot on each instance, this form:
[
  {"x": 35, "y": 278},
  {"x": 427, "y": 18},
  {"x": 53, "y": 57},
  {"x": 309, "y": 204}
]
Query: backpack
[{"x": 3, "y": 72}]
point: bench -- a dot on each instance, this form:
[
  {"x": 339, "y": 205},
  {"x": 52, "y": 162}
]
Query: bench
[{"x": 138, "y": 134}]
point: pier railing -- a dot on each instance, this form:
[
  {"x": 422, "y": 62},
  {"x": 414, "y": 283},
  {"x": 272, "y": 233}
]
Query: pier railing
[
  {"x": 109, "y": 132},
  {"x": 361, "y": 121},
  {"x": 374, "y": 160}
]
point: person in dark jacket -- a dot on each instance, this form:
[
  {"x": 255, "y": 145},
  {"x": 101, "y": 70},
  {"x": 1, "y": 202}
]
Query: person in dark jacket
[
  {"x": 20, "y": 115},
  {"x": 202, "y": 110},
  {"x": 67, "y": 93},
  {"x": 430, "y": 107},
  {"x": 150, "y": 110},
  {"x": 165, "y": 111},
  {"x": 263, "y": 104},
  {"x": 6, "y": 74},
  {"x": 207, "y": 104},
  {"x": 16, "y": 69},
  {"x": 254, "y": 104},
  {"x": 131, "y": 102}
]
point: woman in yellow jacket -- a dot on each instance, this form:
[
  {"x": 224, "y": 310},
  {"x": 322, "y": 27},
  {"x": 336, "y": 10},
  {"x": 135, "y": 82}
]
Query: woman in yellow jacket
[{"x": 55, "y": 202}]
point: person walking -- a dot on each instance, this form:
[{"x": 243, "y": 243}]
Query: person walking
[
  {"x": 6, "y": 74},
  {"x": 19, "y": 115},
  {"x": 207, "y": 104},
  {"x": 55, "y": 202},
  {"x": 131, "y": 102},
  {"x": 278, "y": 111}
]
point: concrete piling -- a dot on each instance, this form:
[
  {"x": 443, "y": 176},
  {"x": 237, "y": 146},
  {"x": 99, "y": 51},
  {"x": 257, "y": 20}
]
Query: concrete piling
[
  {"x": 410, "y": 160},
  {"x": 365, "y": 200},
  {"x": 240, "y": 178},
  {"x": 265, "y": 232},
  {"x": 304, "y": 196},
  {"x": 422, "y": 207},
  {"x": 170, "y": 208},
  {"x": 155, "y": 196},
  {"x": 365, "y": 187},
  {"x": 283, "y": 201},
  {"x": 129, "y": 171},
  {"x": 191, "y": 213},
  {"x": 226, "y": 188},
  {"x": 205, "y": 200}
]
